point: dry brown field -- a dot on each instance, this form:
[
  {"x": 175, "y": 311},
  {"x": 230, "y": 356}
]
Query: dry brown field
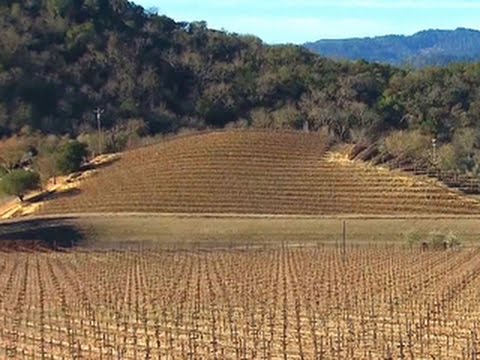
[
  {"x": 119, "y": 230},
  {"x": 270, "y": 302},
  {"x": 254, "y": 172}
]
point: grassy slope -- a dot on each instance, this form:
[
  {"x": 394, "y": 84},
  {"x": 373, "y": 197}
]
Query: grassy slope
[
  {"x": 120, "y": 229},
  {"x": 254, "y": 172}
]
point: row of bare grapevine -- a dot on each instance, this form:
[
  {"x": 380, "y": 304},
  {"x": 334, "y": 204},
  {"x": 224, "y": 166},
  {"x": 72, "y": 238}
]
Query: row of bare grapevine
[
  {"x": 256, "y": 303},
  {"x": 254, "y": 172}
]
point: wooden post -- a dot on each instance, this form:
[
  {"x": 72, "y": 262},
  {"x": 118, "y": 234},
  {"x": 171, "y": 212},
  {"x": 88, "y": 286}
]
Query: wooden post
[{"x": 344, "y": 237}]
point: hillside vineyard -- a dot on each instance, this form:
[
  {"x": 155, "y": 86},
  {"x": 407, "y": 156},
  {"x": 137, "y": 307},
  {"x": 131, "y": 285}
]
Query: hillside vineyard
[
  {"x": 253, "y": 172},
  {"x": 271, "y": 303}
]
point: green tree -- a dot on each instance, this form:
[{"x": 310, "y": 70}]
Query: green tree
[
  {"x": 71, "y": 157},
  {"x": 78, "y": 36},
  {"x": 60, "y": 7},
  {"x": 19, "y": 182}
]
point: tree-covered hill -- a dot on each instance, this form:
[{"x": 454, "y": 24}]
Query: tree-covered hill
[
  {"x": 425, "y": 48},
  {"x": 59, "y": 59}
]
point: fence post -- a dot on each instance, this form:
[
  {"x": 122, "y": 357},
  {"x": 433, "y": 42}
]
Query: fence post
[{"x": 344, "y": 237}]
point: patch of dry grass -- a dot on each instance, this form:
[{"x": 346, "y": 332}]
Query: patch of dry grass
[{"x": 112, "y": 230}]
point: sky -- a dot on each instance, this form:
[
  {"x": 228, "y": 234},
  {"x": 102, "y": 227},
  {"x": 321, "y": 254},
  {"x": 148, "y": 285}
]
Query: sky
[{"x": 300, "y": 21}]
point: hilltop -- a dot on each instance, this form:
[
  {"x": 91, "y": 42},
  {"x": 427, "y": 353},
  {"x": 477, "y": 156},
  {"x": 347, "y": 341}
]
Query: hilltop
[
  {"x": 152, "y": 75},
  {"x": 61, "y": 59},
  {"x": 424, "y": 48},
  {"x": 254, "y": 172}
]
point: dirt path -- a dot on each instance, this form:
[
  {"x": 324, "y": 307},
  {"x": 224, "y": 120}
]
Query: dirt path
[{"x": 243, "y": 216}]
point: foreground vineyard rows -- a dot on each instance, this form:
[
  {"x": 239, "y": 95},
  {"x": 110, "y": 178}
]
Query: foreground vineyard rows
[{"x": 271, "y": 303}]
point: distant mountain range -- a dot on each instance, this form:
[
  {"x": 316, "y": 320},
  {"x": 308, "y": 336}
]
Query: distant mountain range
[{"x": 425, "y": 48}]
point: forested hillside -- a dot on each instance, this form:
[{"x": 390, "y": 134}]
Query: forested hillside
[
  {"x": 425, "y": 48},
  {"x": 59, "y": 59}
]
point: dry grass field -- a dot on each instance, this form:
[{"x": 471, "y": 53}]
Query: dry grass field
[
  {"x": 172, "y": 231},
  {"x": 278, "y": 302},
  {"x": 254, "y": 172},
  {"x": 115, "y": 231}
]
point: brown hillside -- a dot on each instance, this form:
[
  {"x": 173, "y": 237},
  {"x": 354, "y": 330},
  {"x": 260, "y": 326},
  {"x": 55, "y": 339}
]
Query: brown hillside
[{"x": 254, "y": 172}]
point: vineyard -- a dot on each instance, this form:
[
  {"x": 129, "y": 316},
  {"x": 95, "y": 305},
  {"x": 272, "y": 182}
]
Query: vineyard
[
  {"x": 254, "y": 172},
  {"x": 281, "y": 302}
]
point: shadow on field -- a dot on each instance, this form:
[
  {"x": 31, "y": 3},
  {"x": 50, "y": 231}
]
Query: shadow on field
[
  {"x": 51, "y": 234},
  {"x": 52, "y": 195}
]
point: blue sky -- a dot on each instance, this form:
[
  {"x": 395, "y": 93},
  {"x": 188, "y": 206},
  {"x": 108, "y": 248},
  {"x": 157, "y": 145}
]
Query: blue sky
[{"x": 299, "y": 21}]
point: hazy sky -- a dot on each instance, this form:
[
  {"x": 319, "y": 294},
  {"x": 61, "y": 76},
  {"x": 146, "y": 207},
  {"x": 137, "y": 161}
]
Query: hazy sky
[{"x": 298, "y": 21}]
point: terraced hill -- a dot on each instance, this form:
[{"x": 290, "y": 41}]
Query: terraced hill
[{"x": 254, "y": 172}]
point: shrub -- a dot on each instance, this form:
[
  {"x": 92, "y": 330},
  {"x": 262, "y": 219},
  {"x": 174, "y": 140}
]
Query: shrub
[
  {"x": 96, "y": 143},
  {"x": 447, "y": 158},
  {"x": 71, "y": 157},
  {"x": 12, "y": 151},
  {"x": 46, "y": 165},
  {"x": 413, "y": 238},
  {"x": 460, "y": 154},
  {"x": 261, "y": 118},
  {"x": 436, "y": 240},
  {"x": 453, "y": 241},
  {"x": 18, "y": 182},
  {"x": 410, "y": 145}
]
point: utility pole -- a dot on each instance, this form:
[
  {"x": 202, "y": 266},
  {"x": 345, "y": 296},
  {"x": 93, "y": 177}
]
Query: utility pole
[
  {"x": 434, "y": 157},
  {"x": 306, "y": 127},
  {"x": 98, "y": 115}
]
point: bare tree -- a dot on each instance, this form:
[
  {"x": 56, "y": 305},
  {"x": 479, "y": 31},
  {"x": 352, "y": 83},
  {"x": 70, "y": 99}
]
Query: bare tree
[{"x": 12, "y": 152}]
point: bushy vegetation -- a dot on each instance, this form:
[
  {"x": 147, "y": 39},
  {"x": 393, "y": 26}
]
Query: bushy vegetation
[
  {"x": 71, "y": 156},
  {"x": 412, "y": 146},
  {"x": 45, "y": 156},
  {"x": 19, "y": 182},
  {"x": 436, "y": 240}
]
